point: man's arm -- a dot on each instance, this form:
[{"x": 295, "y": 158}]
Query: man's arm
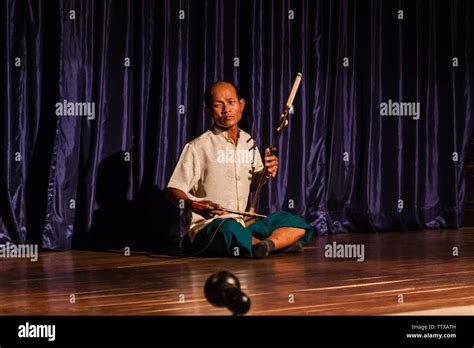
[{"x": 176, "y": 196}]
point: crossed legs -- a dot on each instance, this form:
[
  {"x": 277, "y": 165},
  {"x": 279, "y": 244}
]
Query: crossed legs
[{"x": 282, "y": 237}]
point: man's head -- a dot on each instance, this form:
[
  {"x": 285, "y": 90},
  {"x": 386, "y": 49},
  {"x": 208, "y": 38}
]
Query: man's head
[{"x": 224, "y": 104}]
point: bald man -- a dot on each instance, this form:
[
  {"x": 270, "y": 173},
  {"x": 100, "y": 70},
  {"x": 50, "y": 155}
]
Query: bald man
[{"x": 219, "y": 169}]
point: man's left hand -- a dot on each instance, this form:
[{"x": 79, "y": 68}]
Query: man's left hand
[{"x": 271, "y": 163}]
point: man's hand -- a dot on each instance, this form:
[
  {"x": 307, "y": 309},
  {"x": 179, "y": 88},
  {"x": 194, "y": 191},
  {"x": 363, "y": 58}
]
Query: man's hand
[
  {"x": 271, "y": 163},
  {"x": 207, "y": 209}
]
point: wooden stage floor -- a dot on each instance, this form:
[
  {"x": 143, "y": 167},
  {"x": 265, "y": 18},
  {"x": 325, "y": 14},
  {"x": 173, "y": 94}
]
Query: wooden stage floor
[{"x": 403, "y": 273}]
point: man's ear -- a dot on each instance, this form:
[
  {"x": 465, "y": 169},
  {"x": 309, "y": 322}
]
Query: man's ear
[
  {"x": 242, "y": 104},
  {"x": 207, "y": 111}
]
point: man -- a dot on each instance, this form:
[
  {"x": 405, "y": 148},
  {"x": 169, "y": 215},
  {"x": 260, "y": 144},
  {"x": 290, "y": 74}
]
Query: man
[{"x": 218, "y": 170}]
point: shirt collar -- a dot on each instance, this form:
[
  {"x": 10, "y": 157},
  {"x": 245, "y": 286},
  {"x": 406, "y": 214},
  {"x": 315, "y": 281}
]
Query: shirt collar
[{"x": 222, "y": 132}]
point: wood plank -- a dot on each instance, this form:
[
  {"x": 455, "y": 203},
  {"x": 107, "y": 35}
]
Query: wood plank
[{"x": 419, "y": 266}]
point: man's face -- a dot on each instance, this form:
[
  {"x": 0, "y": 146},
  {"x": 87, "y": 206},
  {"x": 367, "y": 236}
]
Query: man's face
[{"x": 226, "y": 108}]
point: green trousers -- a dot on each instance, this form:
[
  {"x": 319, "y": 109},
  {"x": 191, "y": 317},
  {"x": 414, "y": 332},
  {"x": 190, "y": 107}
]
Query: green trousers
[{"x": 228, "y": 238}]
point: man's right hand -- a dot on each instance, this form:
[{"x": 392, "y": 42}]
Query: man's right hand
[{"x": 207, "y": 209}]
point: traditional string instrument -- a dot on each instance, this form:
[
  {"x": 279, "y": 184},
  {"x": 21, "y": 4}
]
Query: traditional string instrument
[{"x": 274, "y": 149}]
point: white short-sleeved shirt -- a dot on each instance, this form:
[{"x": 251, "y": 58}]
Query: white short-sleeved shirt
[{"x": 211, "y": 167}]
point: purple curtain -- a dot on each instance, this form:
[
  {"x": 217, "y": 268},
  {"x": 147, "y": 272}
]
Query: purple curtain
[{"x": 142, "y": 67}]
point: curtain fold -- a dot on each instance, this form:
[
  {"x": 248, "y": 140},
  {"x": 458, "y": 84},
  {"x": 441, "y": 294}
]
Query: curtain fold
[{"x": 99, "y": 98}]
